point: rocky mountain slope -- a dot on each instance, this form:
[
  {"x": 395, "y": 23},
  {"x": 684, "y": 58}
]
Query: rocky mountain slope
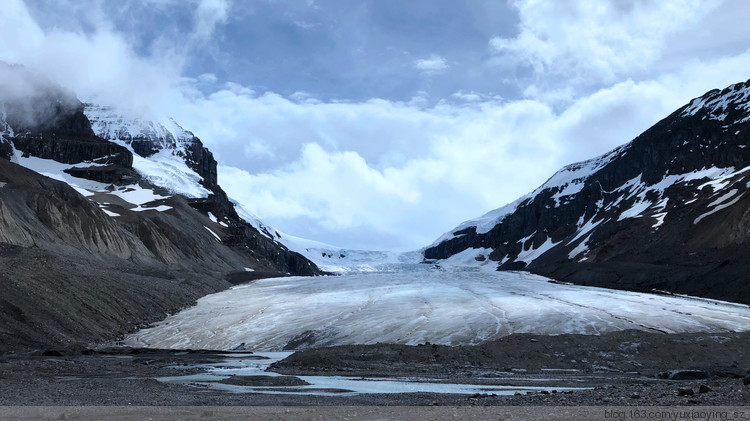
[
  {"x": 668, "y": 211},
  {"x": 107, "y": 222}
]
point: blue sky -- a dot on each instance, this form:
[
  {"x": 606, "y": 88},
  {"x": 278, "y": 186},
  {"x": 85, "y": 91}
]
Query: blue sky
[{"x": 381, "y": 124}]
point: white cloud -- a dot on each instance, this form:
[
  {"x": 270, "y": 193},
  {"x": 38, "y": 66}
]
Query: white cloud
[
  {"x": 411, "y": 173},
  {"x": 433, "y": 65},
  {"x": 208, "y": 15},
  {"x": 208, "y": 78},
  {"x": 18, "y": 31},
  {"x": 381, "y": 173},
  {"x": 102, "y": 65},
  {"x": 600, "y": 40}
]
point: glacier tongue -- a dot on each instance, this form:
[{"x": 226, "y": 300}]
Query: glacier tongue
[
  {"x": 331, "y": 258},
  {"x": 341, "y": 260},
  {"x": 451, "y": 307}
]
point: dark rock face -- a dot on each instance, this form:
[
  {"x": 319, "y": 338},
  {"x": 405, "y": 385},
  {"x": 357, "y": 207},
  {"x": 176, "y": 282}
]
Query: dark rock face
[
  {"x": 63, "y": 118},
  {"x": 245, "y": 238},
  {"x": 72, "y": 149},
  {"x": 648, "y": 215},
  {"x": 202, "y": 161},
  {"x": 108, "y": 174},
  {"x": 67, "y": 137},
  {"x": 6, "y": 148}
]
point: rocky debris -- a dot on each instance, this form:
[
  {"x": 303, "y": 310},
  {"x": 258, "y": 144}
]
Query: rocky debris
[
  {"x": 244, "y": 277},
  {"x": 48, "y": 214},
  {"x": 704, "y": 389},
  {"x": 100, "y": 276},
  {"x": 58, "y": 303},
  {"x": 303, "y": 340},
  {"x": 731, "y": 371},
  {"x": 685, "y": 392},
  {"x": 608, "y": 353}
]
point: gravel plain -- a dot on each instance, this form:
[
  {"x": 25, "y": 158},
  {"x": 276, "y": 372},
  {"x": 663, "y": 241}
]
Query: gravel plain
[{"x": 629, "y": 368}]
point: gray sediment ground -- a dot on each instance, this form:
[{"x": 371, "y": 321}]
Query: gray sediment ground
[{"x": 621, "y": 368}]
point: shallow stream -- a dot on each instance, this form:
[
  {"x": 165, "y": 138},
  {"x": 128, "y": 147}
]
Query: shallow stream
[{"x": 254, "y": 365}]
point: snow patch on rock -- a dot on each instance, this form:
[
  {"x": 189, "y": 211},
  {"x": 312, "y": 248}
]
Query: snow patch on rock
[{"x": 530, "y": 254}]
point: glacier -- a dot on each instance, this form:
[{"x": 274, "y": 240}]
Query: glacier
[{"x": 451, "y": 307}]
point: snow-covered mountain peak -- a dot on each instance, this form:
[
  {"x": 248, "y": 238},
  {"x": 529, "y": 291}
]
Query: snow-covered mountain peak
[
  {"x": 108, "y": 123},
  {"x": 571, "y": 179},
  {"x": 162, "y": 151},
  {"x": 733, "y": 102}
]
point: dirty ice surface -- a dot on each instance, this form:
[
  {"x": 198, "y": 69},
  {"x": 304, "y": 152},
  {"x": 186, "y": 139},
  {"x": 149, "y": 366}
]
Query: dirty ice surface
[{"x": 442, "y": 307}]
